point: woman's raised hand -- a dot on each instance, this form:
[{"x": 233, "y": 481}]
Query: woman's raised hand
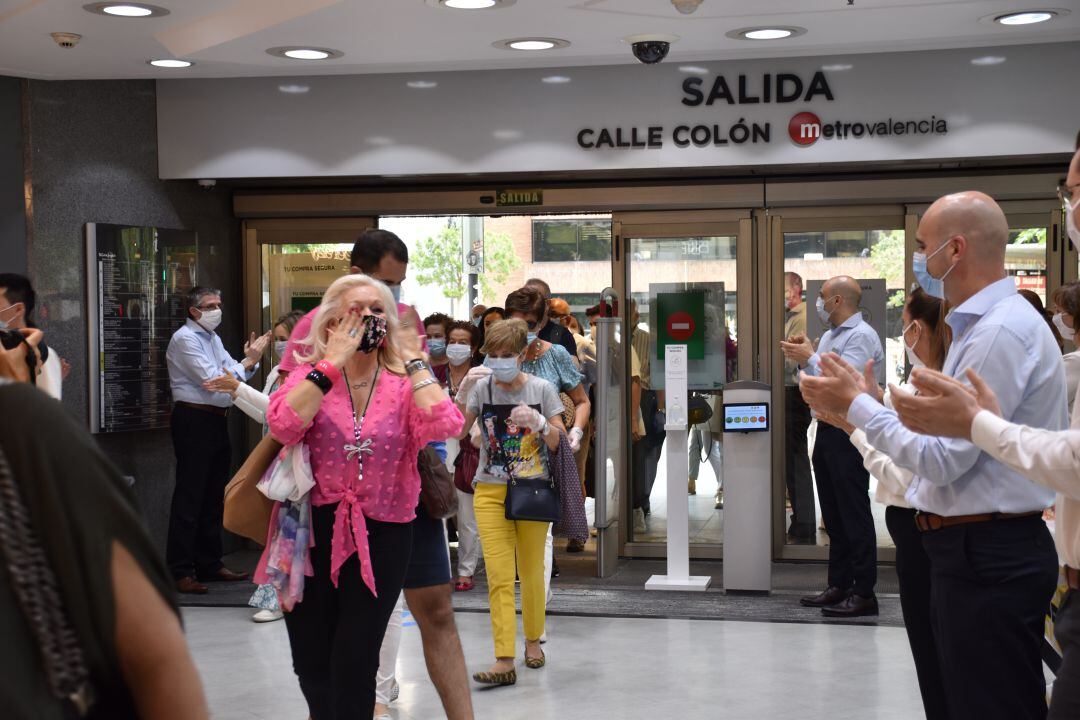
[{"x": 343, "y": 339}]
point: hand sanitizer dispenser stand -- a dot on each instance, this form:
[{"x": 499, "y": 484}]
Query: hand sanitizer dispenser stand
[
  {"x": 678, "y": 503},
  {"x": 747, "y": 484}
]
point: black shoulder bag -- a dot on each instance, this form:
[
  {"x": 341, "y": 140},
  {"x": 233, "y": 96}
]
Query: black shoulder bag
[{"x": 534, "y": 499}]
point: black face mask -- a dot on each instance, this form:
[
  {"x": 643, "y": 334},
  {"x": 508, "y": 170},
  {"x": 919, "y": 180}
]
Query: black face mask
[{"x": 373, "y": 335}]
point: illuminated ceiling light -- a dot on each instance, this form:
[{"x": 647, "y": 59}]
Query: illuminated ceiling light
[
  {"x": 1028, "y": 17},
  {"x": 125, "y": 10},
  {"x": 555, "y": 79},
  {"x": 777, "y": 32},
  {"x": 422, "y": 84},
  {"x": 305, "y": 53},
  {"x": 470, "y": 4},
  {"x": 171, "y": 63},
  {"x": 293, "y": 89},
  {"x": 693, "y": 69},
  {"x": 988, "y": 60},
  {"x": 531, "y": 43},
  {"x": 837, "y": 67},
  {"x": 767, "y": 34}
]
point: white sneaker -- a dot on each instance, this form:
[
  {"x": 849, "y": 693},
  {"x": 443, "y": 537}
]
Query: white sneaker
[
  {"x": 265, "y": 616},
  {"x": 395, "y": 692},
  {"x": 639, "y": 521}
]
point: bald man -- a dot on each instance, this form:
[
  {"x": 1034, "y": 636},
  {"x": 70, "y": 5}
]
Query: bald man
[
  {"x": 993, "y": 565},
  {"x": 843, "y": 483}
]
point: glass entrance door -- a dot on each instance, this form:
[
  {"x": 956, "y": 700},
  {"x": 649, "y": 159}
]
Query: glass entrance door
[
  {"x": 812, "y": 245},
  {"x": 686, "y": 280}
]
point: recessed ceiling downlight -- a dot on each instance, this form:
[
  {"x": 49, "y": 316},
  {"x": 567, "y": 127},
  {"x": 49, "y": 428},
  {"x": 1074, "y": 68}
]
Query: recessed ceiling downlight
[
  {"x": 126, "y": 10},
  {"x": 776, "y": 32},
  {"x": 531, "y": 43},
  {"x": 469, "y": 4},
  {"x": 305, "y": 53},
  {"x": 422, "y": 84},
  {"x": 1028, "y": 17},
  {"x": 171, "y": 63}
]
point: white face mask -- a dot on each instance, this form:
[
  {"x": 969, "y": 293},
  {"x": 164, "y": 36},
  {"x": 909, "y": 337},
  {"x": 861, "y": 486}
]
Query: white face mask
[
  {"x": 1070, "y": 223},
  {"x": 279, "y": 348},
  {"x": 210, "y": 319},
  {"x": 914, "y": 359},
  {"x": 1066, "y": 332},
  {"x": 458, "y": 353},
  {"x": 5, "y": 324},
  {"x": 824, "y": 316}
]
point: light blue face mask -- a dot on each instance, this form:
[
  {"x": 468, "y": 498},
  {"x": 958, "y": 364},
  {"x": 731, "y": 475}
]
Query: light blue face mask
[
  {"x": 437, "y": 348},
  {"x": 932, "y": 286},
  {"x": 504, "y": 369},
  {"x": 395, "y": 290},
  {"x": 824, "y": 316},
  {"x": 530, "y": 337}
]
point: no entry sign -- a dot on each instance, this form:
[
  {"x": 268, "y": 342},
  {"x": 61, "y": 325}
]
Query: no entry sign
[{"x": 680, "y": 326}]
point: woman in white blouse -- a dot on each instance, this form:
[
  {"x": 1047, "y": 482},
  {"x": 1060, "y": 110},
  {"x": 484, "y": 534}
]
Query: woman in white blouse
[
  {"x": 254, "y": 404},
  {"x": 926, "y": 339}
]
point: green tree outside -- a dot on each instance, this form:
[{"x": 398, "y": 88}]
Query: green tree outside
[{"x": 438, "y": 261}]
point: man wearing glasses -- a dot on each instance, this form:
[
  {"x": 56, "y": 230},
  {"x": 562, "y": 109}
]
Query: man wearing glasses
[{"x": 201, "y": 441}]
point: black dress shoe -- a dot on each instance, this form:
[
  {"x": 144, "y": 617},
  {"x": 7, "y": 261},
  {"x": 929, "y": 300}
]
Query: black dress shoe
[
  {"x": 854, "y": 606},
  {"x": 831, "y": 596},
  {"x": 794, "y": 539}
]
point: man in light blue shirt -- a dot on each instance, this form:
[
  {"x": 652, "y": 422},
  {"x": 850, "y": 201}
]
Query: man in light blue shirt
[
  {"x": 993, "y": 564},
  {"x": 201, "y": 441},
  {"x": 843, "y": 483}
]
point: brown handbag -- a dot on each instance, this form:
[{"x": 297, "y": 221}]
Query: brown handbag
[
  {"x": 437, "y": 492},
  {"x": 247, "y": 511}
]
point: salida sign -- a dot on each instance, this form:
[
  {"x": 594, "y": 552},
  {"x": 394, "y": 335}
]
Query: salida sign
[{"x": 804, "y": 128}]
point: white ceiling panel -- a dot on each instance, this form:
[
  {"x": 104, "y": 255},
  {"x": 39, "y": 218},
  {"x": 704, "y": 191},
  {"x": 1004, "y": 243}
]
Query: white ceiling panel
[{"x": 229, "y": 38}]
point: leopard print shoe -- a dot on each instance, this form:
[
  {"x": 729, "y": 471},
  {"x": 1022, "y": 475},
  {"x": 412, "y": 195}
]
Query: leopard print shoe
[{"x": 494, "y": 678}]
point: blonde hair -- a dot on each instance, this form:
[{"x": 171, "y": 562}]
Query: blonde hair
[
  {"x": 506, "y": 335},
  {"x": 313, "y": 348}
]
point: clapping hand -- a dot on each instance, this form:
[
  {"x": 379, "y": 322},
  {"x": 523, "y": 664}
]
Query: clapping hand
[
  {"x": 226, "y": 383},
  {"x": 944, "y": 407},
  {"x": 256, "y": 346},
  {"x": 836, "y": 387},
  {"x": 798, "y": 348}
]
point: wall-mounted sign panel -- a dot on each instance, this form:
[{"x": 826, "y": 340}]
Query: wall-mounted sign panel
[
  {"x": 137, "y": 278},
  {"x": 786, "y": 111},
  {"x": 689, "y": 315}
]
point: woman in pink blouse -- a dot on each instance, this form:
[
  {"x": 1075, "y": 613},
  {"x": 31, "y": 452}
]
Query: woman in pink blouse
[{"x": 364, "y": 402}]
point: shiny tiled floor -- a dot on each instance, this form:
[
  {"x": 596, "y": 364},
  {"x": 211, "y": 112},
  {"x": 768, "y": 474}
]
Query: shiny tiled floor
[{"x": 600, "y": 668}]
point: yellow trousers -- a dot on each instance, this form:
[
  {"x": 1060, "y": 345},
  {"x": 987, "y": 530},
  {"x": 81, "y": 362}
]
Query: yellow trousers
[{"x": 509, "y": 546}]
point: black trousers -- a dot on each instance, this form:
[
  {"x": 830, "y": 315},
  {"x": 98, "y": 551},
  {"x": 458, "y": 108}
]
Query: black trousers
[
  {"x": 201, "y": 442},
  {"x": 844, "y": 493},
  {"x": 913, "y": 572},
  {"x": 336, "y": 633},
  {"x": 651, "y": 446},
  {"x": 990, "y": 587},
  {"x": 800, "y": 485},
  {"x": 1065, "y": 700}
]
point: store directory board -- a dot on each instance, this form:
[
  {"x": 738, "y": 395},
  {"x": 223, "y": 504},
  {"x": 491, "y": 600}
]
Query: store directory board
[{"x": 137, "y": 278}]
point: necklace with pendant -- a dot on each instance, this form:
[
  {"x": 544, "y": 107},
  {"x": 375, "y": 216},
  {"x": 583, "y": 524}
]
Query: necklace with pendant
[{"x": 359, "y": 448}]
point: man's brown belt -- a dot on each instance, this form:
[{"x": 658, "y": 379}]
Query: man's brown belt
[
  {"x": 205, "y": 408},
  {"x": 929, "y": 521}
]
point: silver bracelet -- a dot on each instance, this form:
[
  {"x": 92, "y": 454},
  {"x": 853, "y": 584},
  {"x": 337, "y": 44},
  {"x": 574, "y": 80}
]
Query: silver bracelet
[{"x": 423, "y": 383}]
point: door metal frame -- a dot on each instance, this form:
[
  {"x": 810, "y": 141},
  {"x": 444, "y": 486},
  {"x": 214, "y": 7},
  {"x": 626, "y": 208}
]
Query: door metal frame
[{"x": 673, "y": 224}]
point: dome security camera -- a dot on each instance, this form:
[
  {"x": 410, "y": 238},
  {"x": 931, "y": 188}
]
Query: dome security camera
[
  {"x": 650, "y": 48},
  {"x": 66, "y": 40}
]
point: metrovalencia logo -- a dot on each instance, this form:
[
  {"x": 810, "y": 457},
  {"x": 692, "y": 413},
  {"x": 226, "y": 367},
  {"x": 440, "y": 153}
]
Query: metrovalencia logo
[{"x": 806, "y": 128}]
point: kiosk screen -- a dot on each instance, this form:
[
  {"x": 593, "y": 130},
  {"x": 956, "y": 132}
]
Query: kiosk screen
[{"x": 746, "y": 417}]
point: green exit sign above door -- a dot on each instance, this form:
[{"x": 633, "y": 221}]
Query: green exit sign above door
[{"x": 518, "y": 198}]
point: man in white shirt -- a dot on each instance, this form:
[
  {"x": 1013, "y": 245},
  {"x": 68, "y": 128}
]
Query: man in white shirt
[
  {"x": 992, "y": 558},
  {"x": 201, "y": 441},
  {"x": 843, "y": 483}
]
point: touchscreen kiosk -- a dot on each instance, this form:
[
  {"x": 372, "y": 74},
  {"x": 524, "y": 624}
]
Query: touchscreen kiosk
[{"x": 746, "y": 417}]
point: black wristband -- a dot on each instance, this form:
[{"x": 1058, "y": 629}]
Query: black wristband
[{"x": 321, "y": 381}]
